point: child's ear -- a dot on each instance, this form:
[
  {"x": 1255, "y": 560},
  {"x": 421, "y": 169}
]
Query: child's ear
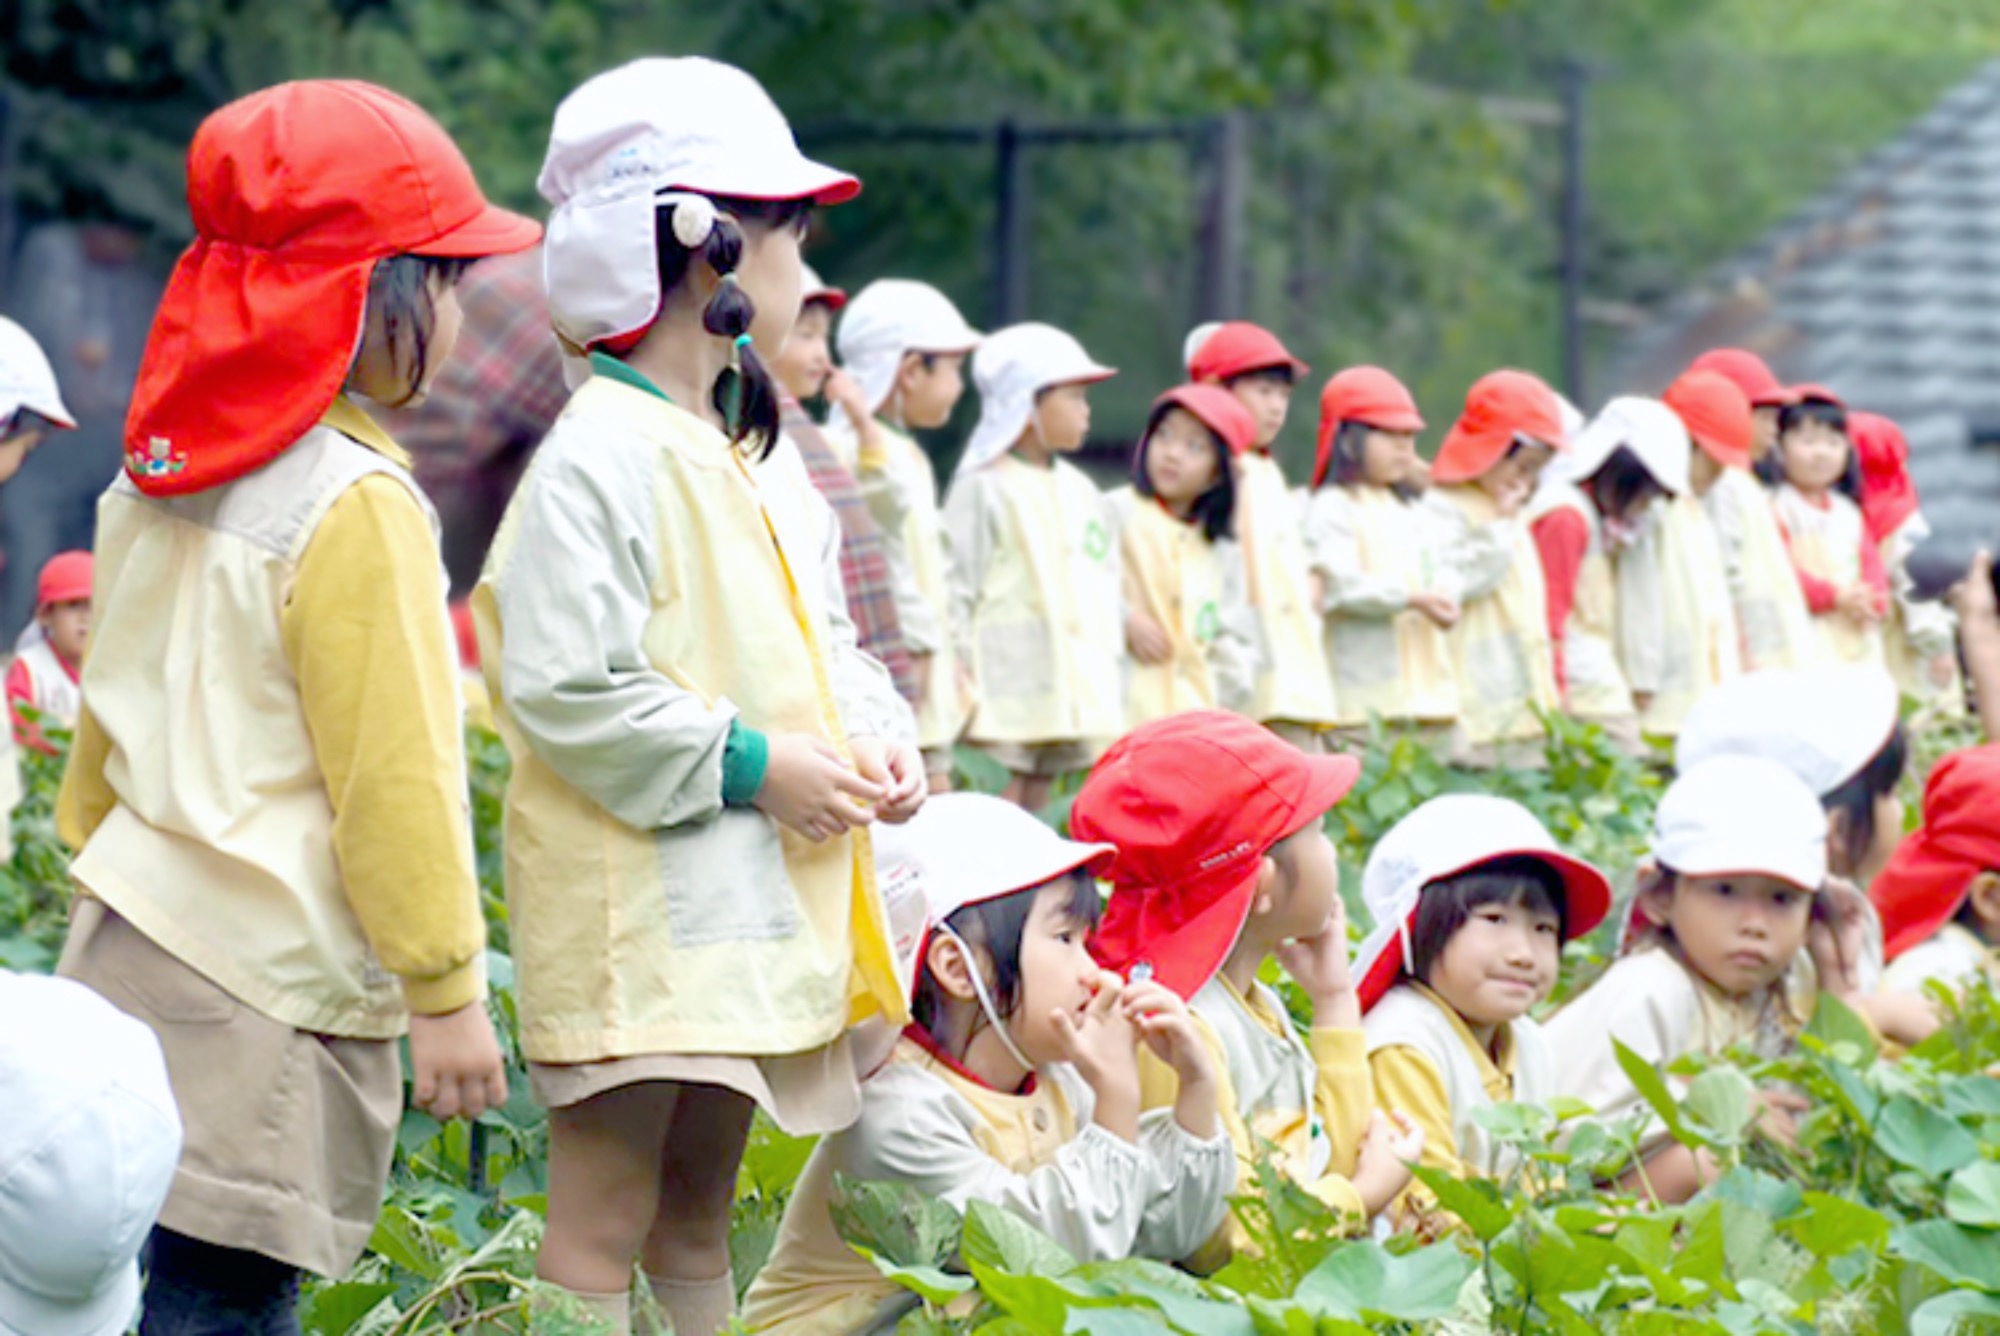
[
  {"x": 1656, "y": 900},
  {"x": 945, "y": 959},
  {"x": 1984, "y": 895},
  {"x": 906, "y": 374},
  {"x": 1265, "y": 898},
  {"x": 1838, "y": 826}
]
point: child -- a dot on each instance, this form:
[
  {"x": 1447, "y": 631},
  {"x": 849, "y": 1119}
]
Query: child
[
  {"x": 1839, "y": 569},
  {"x": 267, "y": 790},
  {"x": 1919, "y": 638},
  {"x": 1016, "y": 1085},
  {"x": 1188, "y": 629},
  {"x": 1749, "y": 373},
  {"x": 1222, "y": 867},
  {"x": 1939, "y": 897},
  {"x": 1774, "y": 630},
  {"x": 1472, "y": 904},
  {"x": 904, "y": 345},
  {"x": 45, "y": 673},
  {"x": 1035, "y": 572},
  {"x": 697, "y": 742},
  {"x": 1376, "y": 578},
  {"x": 1294, "y": 690},
  {"x": 30, "y": 401},
  {"x": 1483, "y": 476},
  {"x": 1590, "y": 505},
  {"x": 1739, "y": 856}
]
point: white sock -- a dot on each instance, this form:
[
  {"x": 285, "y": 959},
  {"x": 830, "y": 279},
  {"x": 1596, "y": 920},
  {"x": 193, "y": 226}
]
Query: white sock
[
  {"x": 614, "y": 1310},
  {"x": 695, "y": 1307}
]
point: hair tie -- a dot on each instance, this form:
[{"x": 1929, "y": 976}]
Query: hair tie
[
  {"x": 732, "y": 413},
  {"x": 693, "y": 218},
  {"x": 742, "y": 341}
]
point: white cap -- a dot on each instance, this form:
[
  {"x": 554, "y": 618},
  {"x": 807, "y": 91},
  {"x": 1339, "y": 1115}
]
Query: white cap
[
  {"x": 813, "y": 288},
  {"x": 1571, "y": 417},
  {"x": 26, "y": 378},
  {"x": 1196, "y": 337},
  {"x": 1010, "y": 369},
  {"x": 89, "y": 1137},
  {"x": 1651, "y": 430},
  {"x": 890, "y": 318},
  {"x": 1742, "y": 814},
  {"x": 626, "y": 136},
  {"x": 1823, "y": 724},
  {"x": 1439, "y": 840}
]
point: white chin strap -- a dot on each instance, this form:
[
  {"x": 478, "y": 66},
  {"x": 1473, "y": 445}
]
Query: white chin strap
[{"x": 985, "y": 998}]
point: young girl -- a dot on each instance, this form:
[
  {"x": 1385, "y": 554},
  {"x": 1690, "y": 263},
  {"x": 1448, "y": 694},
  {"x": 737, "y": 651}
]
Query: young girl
[
  {"x": 1187, "y": 632},
  {"x": 1774, "y": 630},
  {"x": 267, "y": 789},
  {"x": 904, "y": 345},
  {"x": 1839, "y": 569},
  {"x": 1294, "y": 692},
  {"x": 1919, "y": 638},
  {"x": 1939, "y": 897},
  {"x": 47, "y": 670},
  {"x": 1035, "y": 572},
  {"x": 1483, "y": 476},
  {"x": 30, "y": 401},
  {"x": 1472, "y": 903},
  {"x": 1016, "y": 1085},
  {"x": 698, "y": 746},
  {"x": 1749, "y": 373},
  {"x": 1376, "y": 578},
  {"x": 1739, "y": 856}
]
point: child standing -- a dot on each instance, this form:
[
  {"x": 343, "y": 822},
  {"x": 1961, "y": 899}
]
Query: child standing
[
  {"x": 1035, "y": 569},
  {"x": 1187, "y": 630},
  {"x": 904, "y": 345},
  {"x": 267, "y": 790},
  {"x": 1472, "y": 904},
  {"x": 1919, "y": 638},
  {"x": 1939, "y": 897},
  {"x": 1767, "y": 395},
  {"x": 1294, "y": 692},
  {"x": 45, "y": 674},
  {"x": 698, "y": 745},
  {"x": 1376, "y": 577},
  {"x": 1739, "y": 855},
  {"x": 1483, "y": 476},
  {"x": 1224, "y": 866},
  {"x": 1017, "y": 1083},
  {"x": 1839, "y": 569}
]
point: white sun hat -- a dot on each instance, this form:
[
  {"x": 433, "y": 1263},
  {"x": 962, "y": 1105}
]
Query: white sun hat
[
  {"x": 1009, "y": 370},
  {"x": 26, "y": 378},
  {"x": 89, "y": 1139},
  {"x": 627, "y": 136},
  {"x": 1741, "y": 815},
  {"x": 1196, "y": 337},
  {"x": 889, "y": 319},
  {"x": 1652, "y": 431},
  {"x": 1823, "y": 724}
]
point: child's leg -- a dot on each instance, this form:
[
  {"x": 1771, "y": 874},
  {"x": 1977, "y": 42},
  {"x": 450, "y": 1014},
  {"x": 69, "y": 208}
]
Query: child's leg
[
  {"x": 1035, "y": 791},
  {"x": 203, "y": 1289},
  {"x": 687, "y": 1249},
  {"x": 604, "y": 1186}
]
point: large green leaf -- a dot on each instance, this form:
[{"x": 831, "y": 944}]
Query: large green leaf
[
  {"x": 894, "y": 1222},
  {"x": 1923, "y": 1139},
  {"x": 1959, "y": 1313},
  {"x": 934, "y": 1285},
  {"x": 995, "y": 1237},
  {"x": 1828, "y": 1226},
  {"x": 1652, "y": 1087},
  {"x": 1723, "y": 1102},
  {"x": 1364, "y": 1280},
  {"x": 1972, "y": 1197},
  {"x": 1476, "y": 1201},
  {"x": 1962, "y": 1256}
]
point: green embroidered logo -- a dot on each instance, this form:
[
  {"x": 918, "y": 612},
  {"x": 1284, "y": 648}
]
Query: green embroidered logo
[
  {"x": 1207, "y": 623},
  {"x": 1096, "y": 541}
]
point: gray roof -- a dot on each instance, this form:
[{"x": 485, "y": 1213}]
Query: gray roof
[{"x": 1885, "y": 287}]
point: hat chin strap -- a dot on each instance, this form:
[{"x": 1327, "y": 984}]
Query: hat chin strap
[{"x": 985, "y": 998}]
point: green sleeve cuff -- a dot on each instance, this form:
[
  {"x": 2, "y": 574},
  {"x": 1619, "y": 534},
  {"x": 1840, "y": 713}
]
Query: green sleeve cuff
[{"x": 744, "y": 758}]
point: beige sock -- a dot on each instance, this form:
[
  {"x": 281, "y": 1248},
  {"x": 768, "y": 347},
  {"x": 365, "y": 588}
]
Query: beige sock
[
  {"x": 695, "y": 1307},
  {"x": 614, "y": 1310}
]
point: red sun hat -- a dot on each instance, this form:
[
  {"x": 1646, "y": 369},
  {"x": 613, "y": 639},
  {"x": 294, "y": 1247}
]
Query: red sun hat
[
  {"x": 1812, "y": 393},
  {"x": 1239, "y": 348},
  {"x": 1749, "y": 372},
  {"x": 1215, "y": 408},
  {"x": 1888, "y": 496},
  {"x": 1364, "y": 394},
  {"x": 1928, "y": 877},
  {"x": 1193, "y": 802},
  {"x": 296, "y": 191},
  {"x": 64, "y": 578},
  {"x": 1500, "y": 406},
  {"x": 1717, "y": 414}
]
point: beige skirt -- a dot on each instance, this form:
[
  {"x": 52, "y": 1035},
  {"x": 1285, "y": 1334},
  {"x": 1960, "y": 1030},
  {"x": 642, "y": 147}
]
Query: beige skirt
[
  {"x": 1041, "y": 760},
  {"x": 805, "y": 1094},
  {"x": 289, "y": 1135}
]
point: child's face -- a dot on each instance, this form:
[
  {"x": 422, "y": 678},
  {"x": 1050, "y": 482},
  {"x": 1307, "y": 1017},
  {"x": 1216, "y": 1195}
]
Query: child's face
[
  {"x": 770, "y": 275},
  {"x": 1703, "y": 471},
  {"x": 1182, "y": 459},
  {"x": 931, "y": 391},
  {"x": 804, "y": 363},
  {"x": 1303, "y": 908},
  {"x": 1501, "y": 962},
  {"x": 385, "y": 364},
  {"x": 1515, "y": 475},
  {"x": 1057, "y": 973},
  {"x": 1739, "y": 933},
  {"x": 67, "y": 626},
  {"x": 1268, "y": 396},
  {"x": 1064, "y": 417},
  {"x": 15, "y": 447},
  {"x": 1814, "y": 456},
  {"x": 1387, "y": 457},
  {"x": 1764, "y": 425}
]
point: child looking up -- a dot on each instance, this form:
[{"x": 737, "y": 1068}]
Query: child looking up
[
  {"x": 45, "y": 674},
  {"x": 1839, "y": 569},
  {"x": 1035, "y": 568},
  {"x": 1188, "y": 628}
]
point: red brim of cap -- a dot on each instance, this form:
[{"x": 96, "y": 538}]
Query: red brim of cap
[
  {"x": 1393, "y": 420},
  {"x": 831, "y": 298},
  {"x": 491, "y": 231},
  {"x": 1722, "y": 454}
]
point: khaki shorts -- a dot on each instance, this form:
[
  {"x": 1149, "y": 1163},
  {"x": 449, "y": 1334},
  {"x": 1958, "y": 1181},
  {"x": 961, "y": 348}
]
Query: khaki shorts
[
  {"x": 805, "y": 1094},
  {"x": 1041, "y": 760},
  {"x": 288, "y": 1134}
]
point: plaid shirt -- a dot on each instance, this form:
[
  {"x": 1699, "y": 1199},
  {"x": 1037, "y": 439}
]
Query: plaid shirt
[{"x": 864, "y": 566}]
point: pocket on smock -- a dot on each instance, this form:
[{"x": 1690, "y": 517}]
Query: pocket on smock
[{"x": 725, "y": 881}]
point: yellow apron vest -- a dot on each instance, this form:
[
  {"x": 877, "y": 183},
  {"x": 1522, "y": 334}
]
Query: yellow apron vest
[
  {"x": 1597, "y": 687},
  {"x": 1500, "y": 647},
  {"x": 1771, "y": 609},
  {"x": 942, "y": 713},
  {"x": 1827, "y": 544},
  {"x": 1698, "y": 615},
  {"x": 1397, "y": 667},
  {"x": 1293, "y": 684},
  {"x": 1171, "y": 574}
]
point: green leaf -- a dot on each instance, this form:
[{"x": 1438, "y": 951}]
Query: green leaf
[
  {"x": 894, "y": 1221},
  {"x": 1971, "y": 1097},
  {"x": 1516, "y": 1124},
  {"x": 1972, "y": 1197},
  {"x": 995, "y": 1237},
  {"x": 1476, "y": 1201},
  {"x": 1652, "y": 1087},
  {"x": 1114, "y": 1322},
  {"x": 1947, "y": 1314},
  {"x": 1836, "y": 1025},
  {"x": 1962, "y": 1256},
  {"x": 404, "y": 1240},
  {"x": 1724, "y": 1102},
  {"x": 1361, "y": 1280},
  {"x": 1829, "y": 1226},
  {"x": 339, "y": 1308},
  {"x": 934, "y": 1285},
  {"x": 1759, "y": 1191},
  {"x": 1923, "y": 1139}
]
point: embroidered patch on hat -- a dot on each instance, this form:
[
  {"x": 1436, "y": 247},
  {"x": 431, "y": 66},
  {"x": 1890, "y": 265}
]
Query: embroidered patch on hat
[{"x": 158, "y": 460}]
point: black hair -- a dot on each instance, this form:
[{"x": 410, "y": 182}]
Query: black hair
[
  {"x": 744, "y": 394},
  {"x": 1621, "y": 483},
  {"x": 997, "y": 925},
  {"x": 1215, "y": 509},
  {"x": 23, "y": 420},
  {"x": 1347, "y": 453},
  {"x": 400, "y": 290},
  {"x": 1285, "y": 374},
  {"x": 1446, "y": 906},
  {"x": 1857, "y": 797},
  {"x": 1829, "y": 414}
]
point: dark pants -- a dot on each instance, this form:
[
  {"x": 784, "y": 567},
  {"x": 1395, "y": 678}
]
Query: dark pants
[{"x": 200, "y": 1289}]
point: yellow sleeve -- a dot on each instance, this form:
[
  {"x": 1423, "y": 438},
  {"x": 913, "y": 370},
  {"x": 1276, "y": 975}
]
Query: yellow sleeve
[
  {"x": 1406, "y": 1080},
  {"x": 86, "y": 797},
  {"x": 1344, "y": 1095},
  {"x": 364, "y": 631}
]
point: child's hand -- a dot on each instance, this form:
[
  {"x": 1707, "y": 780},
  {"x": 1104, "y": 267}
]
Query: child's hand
[
  {"x": 1318, "y": 965},
  {"x": 1390, "y": 1144},
  {"x": 844, "y": 392},
  {"x": 1781, "y": 1110},
  {"x": 1166, "y": 1027},
  {"x": 1857, "y": 604},
  {"x": 899, "y": 769},
  {"x": 808, "y": 787},
  {"x": 1103, "y": 1047},
  {"x": 1147, "y": 639},
  {"x": 455, "y": 1065},
  {"x": 1442, "y": 609},
  {"x": 1837, "y": 936}
]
